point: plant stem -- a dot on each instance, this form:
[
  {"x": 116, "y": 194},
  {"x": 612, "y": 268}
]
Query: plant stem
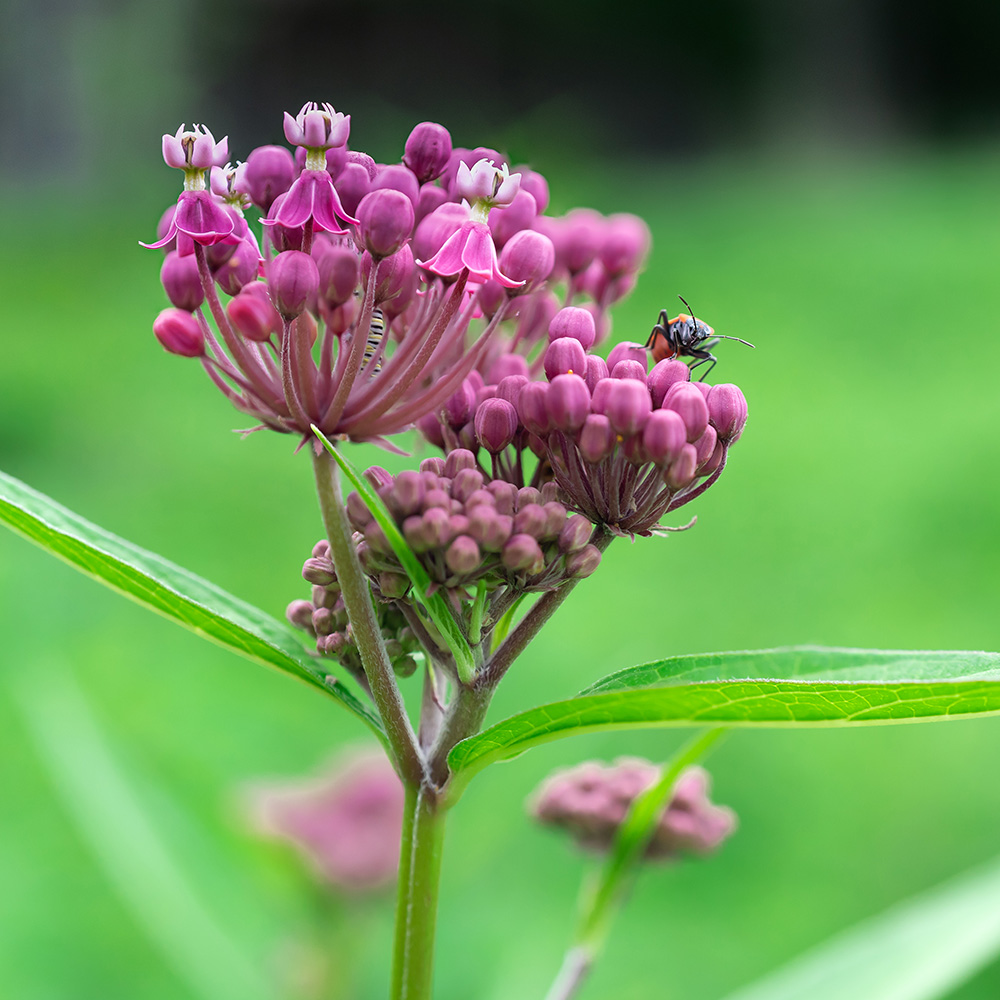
[
  {"x": 602, "y": 904},
  {"x": 512, "y": 647},
  {"x": 416, "y": 904},
  {"x": 364, "y": 622}
]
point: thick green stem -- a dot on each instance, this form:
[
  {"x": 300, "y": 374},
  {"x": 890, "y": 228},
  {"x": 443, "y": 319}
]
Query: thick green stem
[
  {"x": 364, "y": 622},
  {"x": 416, "y": 903}
]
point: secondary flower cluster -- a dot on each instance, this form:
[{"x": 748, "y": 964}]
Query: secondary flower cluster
[
  {"x": 346, "y": 824},
  {"x": 625, "y": 445},
  {"x": 591, "y": 801},
  {"x": 377, "y": 288},
  {"x": 472, "y": 532},
  {"x": 325, "y": 619}
]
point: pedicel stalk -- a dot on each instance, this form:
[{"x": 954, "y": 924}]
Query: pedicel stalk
[{"x": 437, "y": 293}]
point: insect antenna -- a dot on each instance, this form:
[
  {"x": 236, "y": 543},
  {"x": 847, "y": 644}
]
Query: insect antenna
[
  {"x": 722, "y": 336},
  {"x": 689, "y": 309}
]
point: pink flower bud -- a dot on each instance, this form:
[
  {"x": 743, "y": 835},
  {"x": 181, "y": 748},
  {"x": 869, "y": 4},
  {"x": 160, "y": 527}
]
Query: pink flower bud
[
  {"x": 627, "y": 351},
  {"x": 460, "y": 407},
  {"x": 682, "y": 470},
  {"x": 629, "y": 369},
  {"x": 496, "y": 424},
  {"x": 575, "y": 533},
  {"x": 507, "y": 366},
  {"x": 431, "y": 197},
  {"x": 575, "y": 322},
  {"x": 564, "y": 356},
  {"x": 663, "y": 437},
  {"x": 529, "y": 257},
  {"x": 583, "y": 562},
  {"x": 522, "y": 554},
  {"x": 626, "y": 243},
  {"x": 240, "y": 269},
  {"x": 532, "y": 408},
  {"x": 463, "y": 555},
  {"x": 627, "y": 405},
  {"x": 490, "y": 529},
  {"x": 727, "y": 409},
  {"x": 685, "y": 399},
  {"x": 537, "y": 186},
  {"x": 705, "y": 445},
  {"x": 597, "y": 368},
  {"x": 179, "y": 333},
  {"x": 269, "y": 172},
  {"x": 434, "y": 230},
  {"x": 597, "y": 438},
  {"x": 582, "y": 236},
  {"x": 396, "y": 177},
  {"x": 663, "y": 376},
  {"x": 293, "y": 279},
  {"x": 568, "y": 402},
  {"x": 516, "y": 217},
  {"x": 427, "y": 151},
  {"x": 339, "y": 270},
  {"x": 459, "y": 459},
  {"x": 252, "y": 313},
  {"x": 353, "y": 183},
  {"x": 181, "y": 281},
  {"x": 385, "y": 218},
  {"x": 531, "y": 519}
]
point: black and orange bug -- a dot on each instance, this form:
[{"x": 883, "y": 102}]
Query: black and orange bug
[{"x": 685, "y": 337}]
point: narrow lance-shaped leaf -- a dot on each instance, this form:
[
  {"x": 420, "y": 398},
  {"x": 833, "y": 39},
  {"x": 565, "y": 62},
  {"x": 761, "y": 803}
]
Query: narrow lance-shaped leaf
[
  {"x": 437, "y": 607},
  {"x": 169, "y": 590},
  {"x": 921, "y": 949},
  {"x": 798, "y": 686}
]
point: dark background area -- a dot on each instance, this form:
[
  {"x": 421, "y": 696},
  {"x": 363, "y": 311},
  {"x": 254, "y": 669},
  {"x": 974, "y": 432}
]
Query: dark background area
[{"x": 84, "y": 82}]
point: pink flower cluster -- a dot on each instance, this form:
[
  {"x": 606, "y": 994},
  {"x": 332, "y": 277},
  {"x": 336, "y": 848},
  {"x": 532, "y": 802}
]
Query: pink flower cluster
[
  {"x": 346, "y": 824},
  {"x": 591, "y": 801},
  {"x": 626, "y": 445},
  {"x": 377, "y": 289}
]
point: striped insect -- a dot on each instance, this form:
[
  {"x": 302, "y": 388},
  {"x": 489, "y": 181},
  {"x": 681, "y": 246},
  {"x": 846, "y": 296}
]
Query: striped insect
[
  {"x": 686, "y": 337},
  {"x": 376, "y": 331}
]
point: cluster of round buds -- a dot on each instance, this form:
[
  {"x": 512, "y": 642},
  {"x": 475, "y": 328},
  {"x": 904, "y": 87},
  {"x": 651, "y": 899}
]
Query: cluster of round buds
[
  {"x": 346, "y": 824},
  {"x": 377, "y": 287},
  {"x": 591, "y": 801},
  {"x": 325, "y": 618},
  {"x": 625, "y": 445},
  {"x": 468, "y": 529}
]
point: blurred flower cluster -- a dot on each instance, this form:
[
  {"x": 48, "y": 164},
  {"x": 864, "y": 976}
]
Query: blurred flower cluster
[{"x": 591, "y": 801}]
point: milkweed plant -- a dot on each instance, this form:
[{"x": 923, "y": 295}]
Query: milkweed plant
[{"x": 335, "y": 300}]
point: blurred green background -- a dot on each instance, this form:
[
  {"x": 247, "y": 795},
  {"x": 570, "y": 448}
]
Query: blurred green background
[{"x": 860, "y": 508}]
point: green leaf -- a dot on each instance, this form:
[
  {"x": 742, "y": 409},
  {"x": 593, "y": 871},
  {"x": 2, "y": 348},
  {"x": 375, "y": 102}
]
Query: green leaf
[
  {"x": 920, "y": 949},
  {"x": 171, "y": 591},
  {"x": 166, "y": 901},
  {"x": 803, "y": 685},
  {"x": 437, "y": 607}
]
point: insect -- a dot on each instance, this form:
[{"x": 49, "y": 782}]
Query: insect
[
  {"x": 376, "y": 330},
  {"x": 686, "y": 337}
]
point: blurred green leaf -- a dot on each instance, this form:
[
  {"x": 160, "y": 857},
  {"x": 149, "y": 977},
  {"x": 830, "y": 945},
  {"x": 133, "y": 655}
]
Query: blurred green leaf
[
  {"x": 922, "y": 948},
  {"x": 164, "y": 899},
  {"x": 801, "y": 685},
  {"x": 171, "y": 591},
  {"x": 437, "y": 607}
]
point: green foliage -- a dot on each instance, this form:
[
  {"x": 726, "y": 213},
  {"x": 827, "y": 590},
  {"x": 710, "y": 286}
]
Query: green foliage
[
  {"x": 802, "y": 685},
  {"x": 918, "y": 950},
  {"x": 169, "y": 590}
]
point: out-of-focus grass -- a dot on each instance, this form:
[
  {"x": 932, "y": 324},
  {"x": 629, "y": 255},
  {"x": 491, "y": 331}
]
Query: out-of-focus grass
[{"x": 860, "y": 508}]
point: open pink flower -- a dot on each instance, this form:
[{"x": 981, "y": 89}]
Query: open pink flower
[
  {"x": 312, "y": 196},
  {"x": 317, "y": 126},
  {"x": 198, "y": 218},
  {"x": 470, "y": 246}
]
